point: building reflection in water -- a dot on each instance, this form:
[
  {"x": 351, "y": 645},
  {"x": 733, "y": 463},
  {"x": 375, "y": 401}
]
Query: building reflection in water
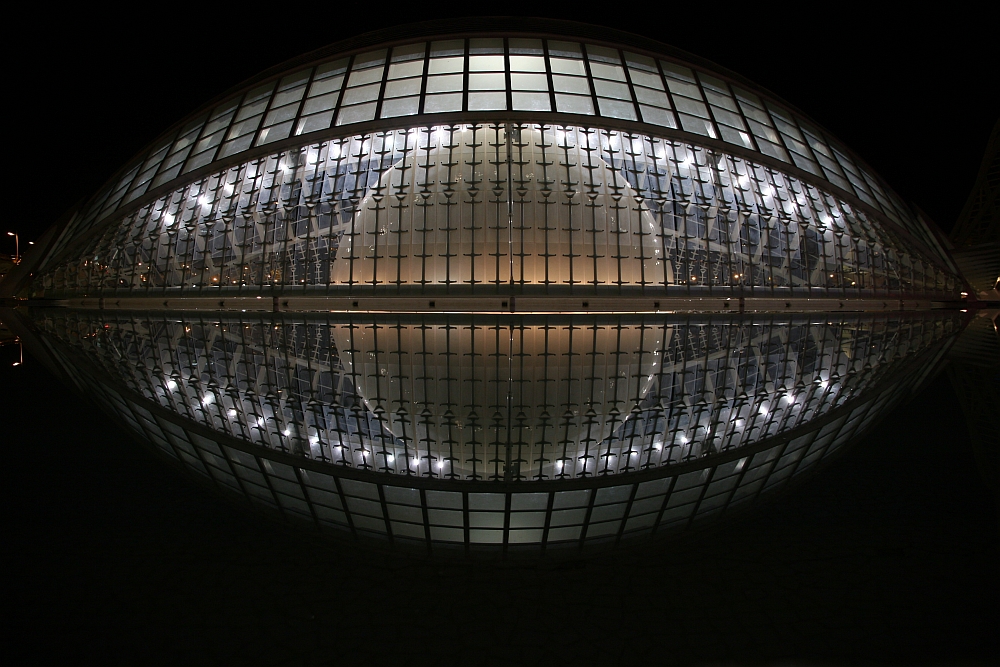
[{"x": 496, "y": 431}]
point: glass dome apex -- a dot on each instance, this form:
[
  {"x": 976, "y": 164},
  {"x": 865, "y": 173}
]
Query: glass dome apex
[{"x": 475, "y": 70}]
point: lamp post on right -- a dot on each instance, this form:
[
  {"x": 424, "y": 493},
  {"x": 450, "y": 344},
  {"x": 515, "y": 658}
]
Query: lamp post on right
[{"x": 17, "y": 247}]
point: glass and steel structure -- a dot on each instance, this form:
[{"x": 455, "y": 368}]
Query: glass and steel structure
[{"x": 495, "y": 287}]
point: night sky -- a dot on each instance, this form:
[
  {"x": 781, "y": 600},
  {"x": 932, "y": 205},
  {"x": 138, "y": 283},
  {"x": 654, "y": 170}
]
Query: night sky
[{"x": 888, "y": 556}]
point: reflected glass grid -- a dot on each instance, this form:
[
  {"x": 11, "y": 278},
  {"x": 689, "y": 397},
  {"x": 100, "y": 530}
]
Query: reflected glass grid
[{"x": 295, "y": 416}]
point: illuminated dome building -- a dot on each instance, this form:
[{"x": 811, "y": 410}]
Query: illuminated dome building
[{"x": 494, "y": 285}]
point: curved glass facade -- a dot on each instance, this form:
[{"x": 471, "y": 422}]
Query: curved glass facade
[
  {"x": 499, "y": 77},
  {"x": 487, "y": 208}
]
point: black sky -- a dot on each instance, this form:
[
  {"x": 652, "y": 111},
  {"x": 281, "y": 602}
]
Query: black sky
[{"x": 888, "y": 557}]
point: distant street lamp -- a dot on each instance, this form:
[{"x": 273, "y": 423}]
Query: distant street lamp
[
  {"x": 17, "y": 247},
  {"x": 20, "y": 349}
]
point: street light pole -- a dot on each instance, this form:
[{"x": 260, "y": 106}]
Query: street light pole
[
  {"x": 17, "y": 247},
  {"x": 20, "y": 347}
]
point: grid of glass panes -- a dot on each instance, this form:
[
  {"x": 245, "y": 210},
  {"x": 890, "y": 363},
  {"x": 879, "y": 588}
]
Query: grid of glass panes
[
  {"x": 540, "y": 206},
  {"x": 476, "y": 517},
  {"x": 493, "y": 74},
  {"x": 486, "y": 398},
  {"x": 363, "y": 90}
]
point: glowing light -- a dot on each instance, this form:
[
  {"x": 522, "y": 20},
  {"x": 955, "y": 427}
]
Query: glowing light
[
  {"x": 208, "y": 400},
  {"x": 171, "y": 385},
  {"x": 231, "y": 413},
  {"x": 286, "y": 432}
]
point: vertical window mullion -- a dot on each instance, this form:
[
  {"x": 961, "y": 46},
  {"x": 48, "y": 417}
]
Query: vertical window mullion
[
  {"x": 381, "y": 89},
  {"x": 746, "y": 122},
  {"x": 340, "y": 95},
  {"x": 506, "y": 68},
  {"x": 708, "y": 105},
  {"x": 302, "y": 102},
  {"x": 631, "y": 89},
  {"x": 590, "y": 80},
  {"x": 670, "y": 95},
  {"x": 224, "y": 132},
  {"x": 263, "y": 114},
  {"x": 159, "y": 166},
  {"x": 423, "y": 78},
  {"x": 465, "y": 78},
  {"x": 548, "y": 73}
]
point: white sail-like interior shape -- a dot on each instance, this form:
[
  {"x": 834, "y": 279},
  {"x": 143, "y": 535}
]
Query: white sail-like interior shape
[{"x": 443, "y": 217}]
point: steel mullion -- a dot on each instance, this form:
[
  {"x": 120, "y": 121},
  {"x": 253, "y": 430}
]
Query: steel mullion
[
  {"x": 166, "y": 154},
  {"x": 590, "y": 81},
  {"x": 746, "y": 123},
  {"x": 550, "y": 500},
  {"x": 708, "y": 105},
  {"x": 507, "y": 78},
  {"x": 670, "y": 96},
  {"x": 701, "y": 496},
  {"x": 548, "y": 76},
  {"x": 739, "y": 481},
  {"x": 310, "y": 79},
  {"x": 625, "y": 516},
  {"x": 423, "y": 78},
  {"x": 342, "y": 92},
  {"x": 385, "y": 511},
  {"x": 631, "y": 88},
  {"x": 465, "y": 77},
  {"x": 267, "y": 109},
  {"x": 663, "y": 506},
  {"x": 224, "y": 132},
  {"x": 585, "y": 528},
  {"x": 347, "y": 508},
  {"x": 385, "y": 77}
]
